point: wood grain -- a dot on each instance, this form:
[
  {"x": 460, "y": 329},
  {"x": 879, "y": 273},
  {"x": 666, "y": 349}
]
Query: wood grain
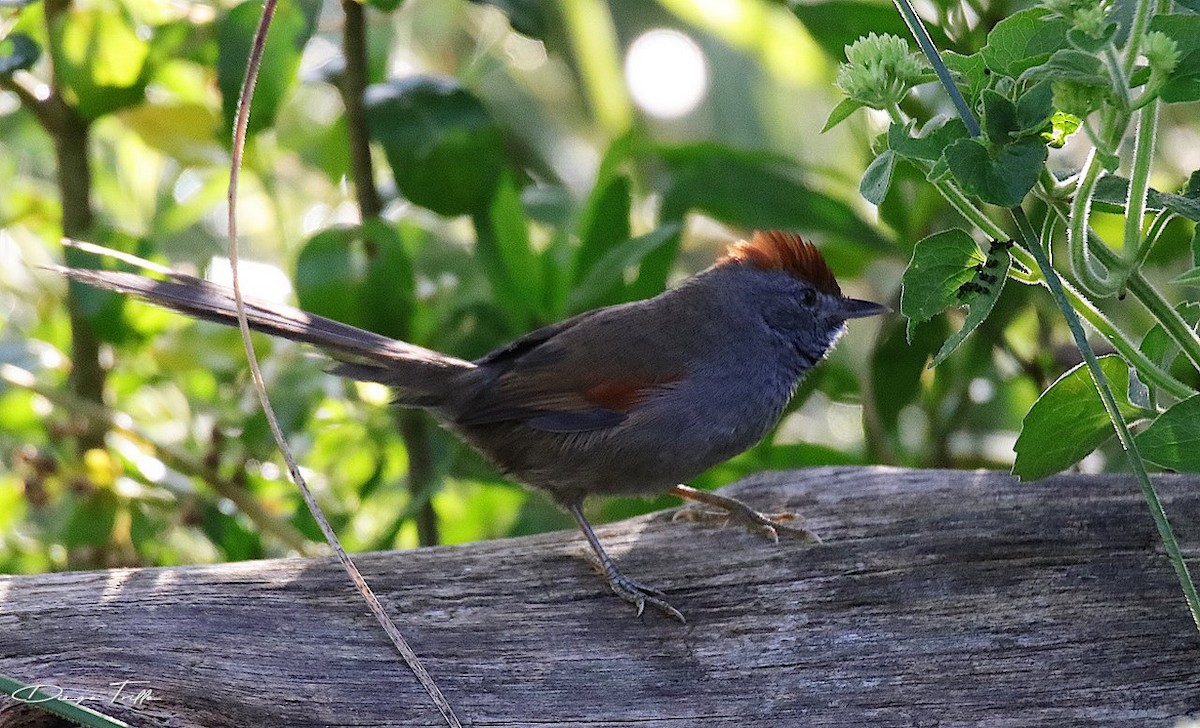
[{"x": 940, "y": 598}]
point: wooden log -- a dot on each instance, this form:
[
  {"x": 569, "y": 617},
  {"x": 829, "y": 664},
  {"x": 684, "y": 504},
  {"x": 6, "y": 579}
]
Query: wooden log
[{"x": 939, "y": 598}]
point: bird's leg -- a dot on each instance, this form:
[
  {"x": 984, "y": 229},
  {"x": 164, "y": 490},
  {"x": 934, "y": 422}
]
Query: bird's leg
[
  {"x": 770, "y": 525},
  {"x": 626, "y": 588}
]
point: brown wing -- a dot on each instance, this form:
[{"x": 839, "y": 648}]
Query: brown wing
[{"x": 568, "y": 378}]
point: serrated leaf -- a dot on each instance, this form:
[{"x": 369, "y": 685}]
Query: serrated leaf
[
  {"x": 1068, "y": 420},
  {"x": 970, "y": 72},
  {"x": 1071, "y": 65},
  {"x": 940, "y": 265},
  {"x": 1089, "y": 43},
  {"x": 931, "y": 143},
  {"x": 840, "y": 113},
  {"x": 878, "y": 177},
  {"x": 981, "y": 304},
  {"x": 1173, "y": 438},
  {"x": 999, "y": 176},
  {"x": 1023, "y": 40}
]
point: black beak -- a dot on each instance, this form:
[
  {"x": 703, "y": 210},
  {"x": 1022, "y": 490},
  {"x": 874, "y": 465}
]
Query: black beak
[{"x": 852, "y": 308}]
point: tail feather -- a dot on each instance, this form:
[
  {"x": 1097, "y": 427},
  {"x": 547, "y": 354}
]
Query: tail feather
[{"x": 421, "y": 375}]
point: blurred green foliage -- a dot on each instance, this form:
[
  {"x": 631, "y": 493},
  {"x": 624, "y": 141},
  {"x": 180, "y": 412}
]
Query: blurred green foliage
[{"x": 521, "y": 182}]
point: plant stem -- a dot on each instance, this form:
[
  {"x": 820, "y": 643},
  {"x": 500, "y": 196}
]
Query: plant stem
[
  {"x": 413, "y": 428},
  {"x": 70, "y": 133},
  {"x": 414, "y": 431},
  {"x": 1184, "y": 336},
  {"x": 1033, "y": 244},
  {"x": 1139, "y": 183},
  {"x": 1094, "y": 282},
  {"x": 1165, "y": 532},
  {"x": 353, "y": 84},
  {"x": 919, "y": 32}
]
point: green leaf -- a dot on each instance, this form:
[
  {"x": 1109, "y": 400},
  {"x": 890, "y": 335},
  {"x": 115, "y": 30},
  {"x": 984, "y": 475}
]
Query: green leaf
[
  {"x": 1062, "y": 127},
  {"x": 330, "y": 264},
  {"x": 1184, "y": 82},
  {"x": 757, "y": 191},
  {"x": 999, "y": 117},
  {"x": 1068, "y": 420},
  {"x": 932, "y": 142},
  {"x": 1071, "y": 65},
  {"x": 1173, "y": 438},
  {"x": 1190, "y": 278},
  {"x": 445, "y": 150},
  {"x": 604, "y": 223},
  {"x": 607, "y": 275},
  {"x": 1035, "y": 108},
  {"x": 940, "y": 265},
  {"x": 878, "y": 177},
  {"x": 389, "y": 291},
  {"x": 17, "y": 53},
  {"x": 999, "y": 176},
  {"x": 512, "y": 233},
  {"x": 981, "y": 303},
  {"x": 508, "y": 259},
  {"x": 970, "y": 73},
  {"x": 100, "y": 58},
  {"x": 1112, "y": 191},
  {"x": 1161, "y": 348},
  {"x": 360, "y": 275},
  {"x": 840, "y": 113},
  {"x": 1024, "y": 40},
  {"x": 290, "y": 30},
  {"x": 1089, "y": 43}
]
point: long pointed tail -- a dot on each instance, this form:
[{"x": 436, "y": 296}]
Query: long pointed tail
[{"x": 422, "y": 377}]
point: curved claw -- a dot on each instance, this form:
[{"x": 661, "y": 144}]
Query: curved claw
[
  {"x": 770, "y": 525},
  {"x": 640, "y": 596}
]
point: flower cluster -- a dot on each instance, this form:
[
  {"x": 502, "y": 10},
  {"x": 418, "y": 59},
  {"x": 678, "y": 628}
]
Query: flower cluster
[{"x": 879, "y": 72}]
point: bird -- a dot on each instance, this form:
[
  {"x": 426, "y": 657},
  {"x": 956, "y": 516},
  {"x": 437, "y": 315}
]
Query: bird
[{"x": 630, "y": 399}]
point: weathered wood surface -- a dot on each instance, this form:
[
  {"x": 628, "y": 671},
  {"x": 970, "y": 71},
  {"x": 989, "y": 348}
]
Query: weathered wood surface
[{"x": 939, "y": 599}]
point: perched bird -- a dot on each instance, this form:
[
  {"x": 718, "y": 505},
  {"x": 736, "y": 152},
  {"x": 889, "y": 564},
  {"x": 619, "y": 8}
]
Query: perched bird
[{"x": 629, "y": 399}]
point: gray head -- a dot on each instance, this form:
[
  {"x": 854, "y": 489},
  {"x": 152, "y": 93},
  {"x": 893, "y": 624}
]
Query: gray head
[{"x": 800, "y": 295}]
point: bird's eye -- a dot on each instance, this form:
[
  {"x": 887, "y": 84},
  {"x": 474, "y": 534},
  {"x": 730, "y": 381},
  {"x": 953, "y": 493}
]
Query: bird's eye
[{"x": 808, "y": 298}]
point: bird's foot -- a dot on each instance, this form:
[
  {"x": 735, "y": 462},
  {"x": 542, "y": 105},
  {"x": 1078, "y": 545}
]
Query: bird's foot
[
  {"x": 730, "y": 510},
  {"x": 639, "y": 595}
]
